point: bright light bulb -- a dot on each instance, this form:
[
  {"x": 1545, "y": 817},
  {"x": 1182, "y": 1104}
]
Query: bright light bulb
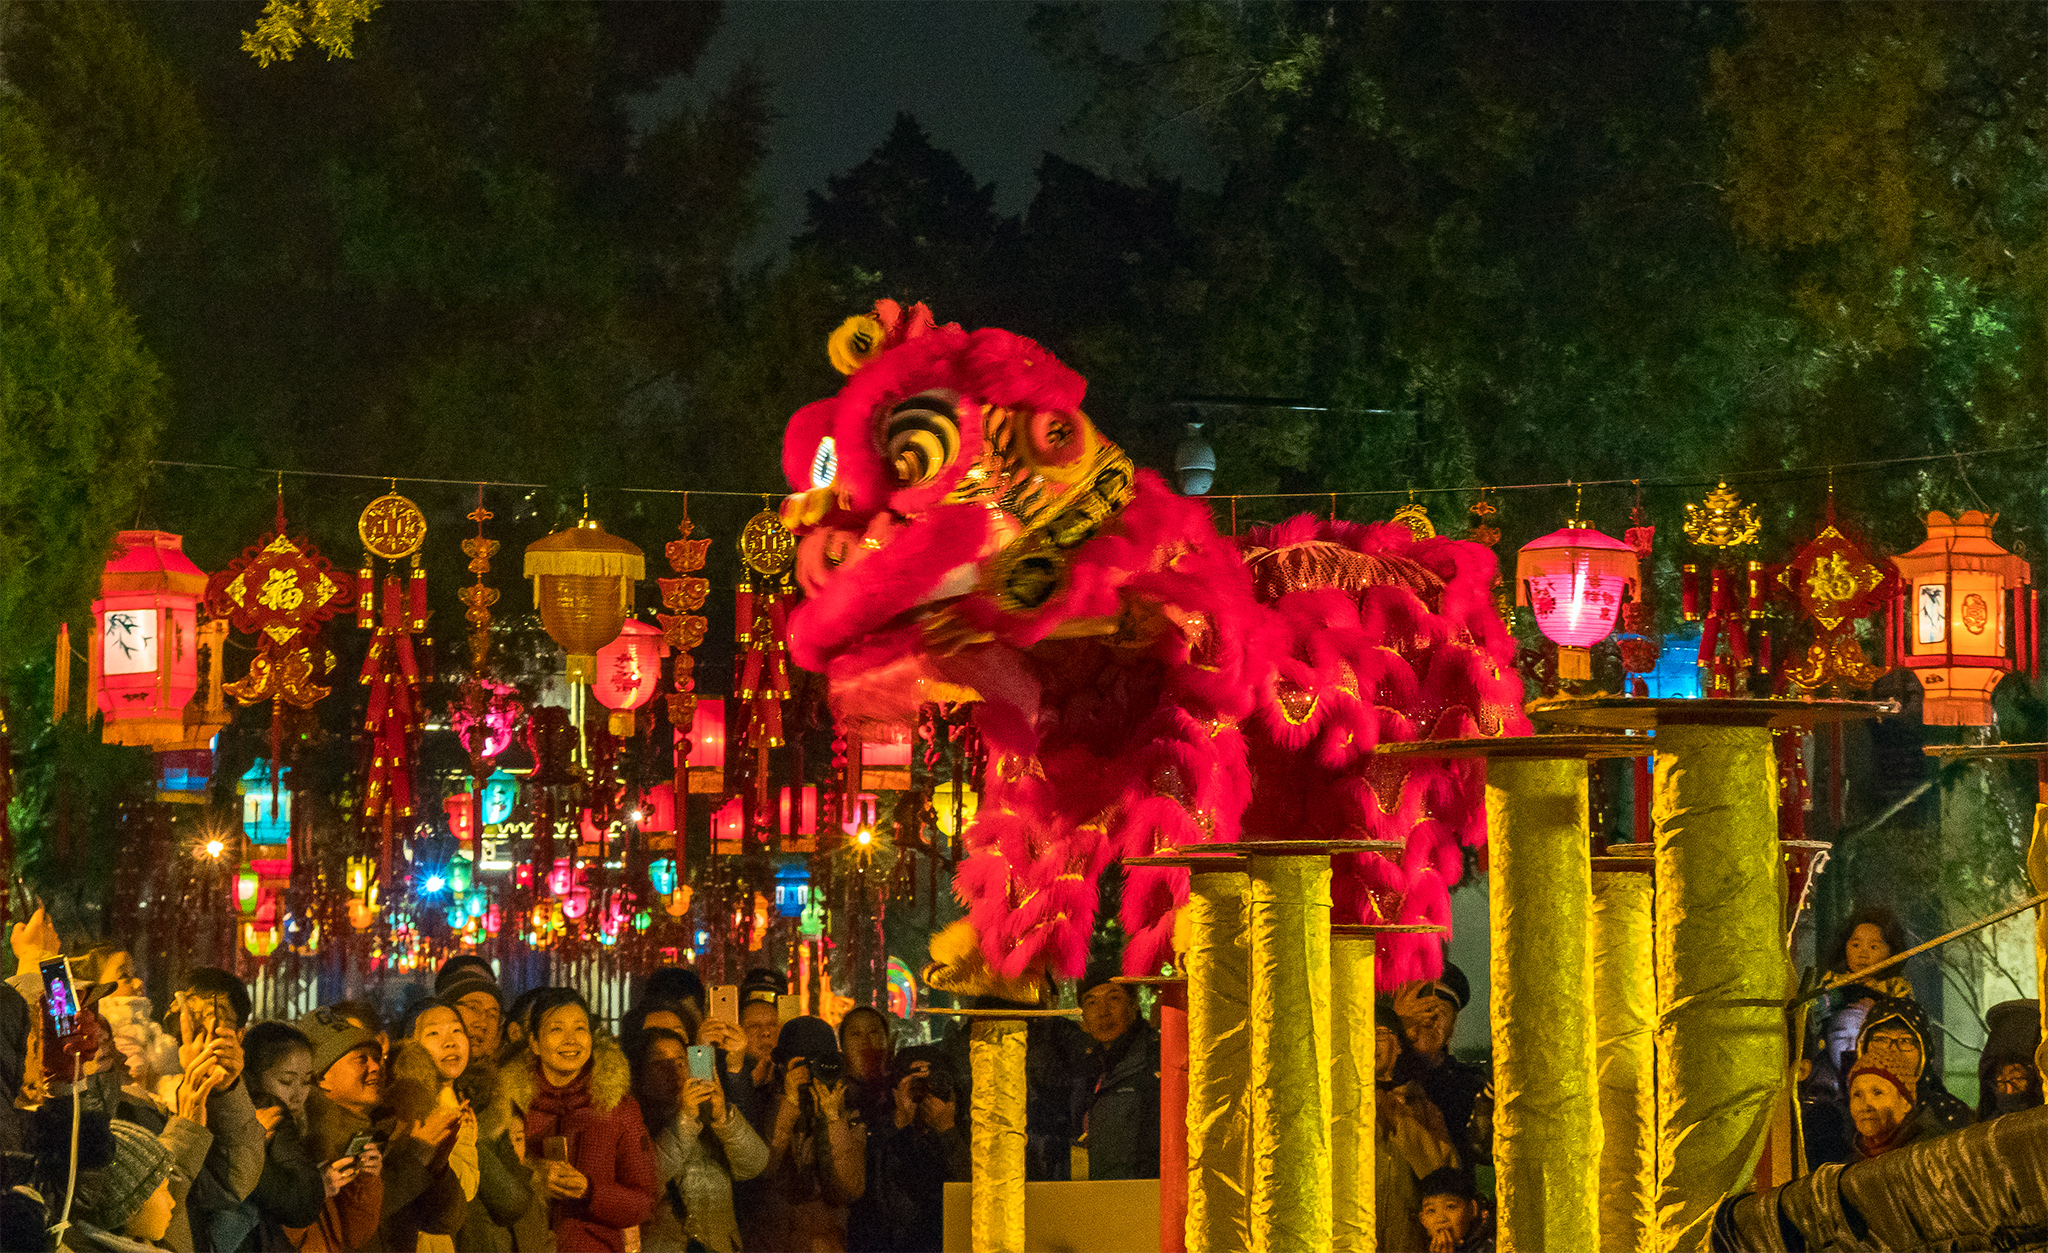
[
  {"x": 635, "y": 816},
  {"x": 864, "y": 836},
  {"x": 214, "y": 847},
  {"x": 435, "y": 883}
]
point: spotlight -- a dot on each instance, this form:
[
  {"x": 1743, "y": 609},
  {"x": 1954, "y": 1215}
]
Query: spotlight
[
  {"x": 435, "y": 883},
  {"x": 864, "y": 836},
  {"x": 214, "y": 847}
]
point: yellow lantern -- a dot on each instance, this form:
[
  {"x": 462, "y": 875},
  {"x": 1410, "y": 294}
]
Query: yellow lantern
[
  {"x": 583, "y": 587},
  {"x": 362, "y": 915},
  {"x": 1968, "y": 619},
  {"x": 944, "y": 798}
]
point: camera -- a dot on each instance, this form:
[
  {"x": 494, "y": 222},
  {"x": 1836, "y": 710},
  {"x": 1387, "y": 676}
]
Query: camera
[{"x": 937, "y": 1084}]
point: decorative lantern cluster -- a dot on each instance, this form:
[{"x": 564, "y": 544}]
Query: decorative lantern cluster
[
  {"x": 1575, "y": 581},
  {"x": 1966, "y": 617}
]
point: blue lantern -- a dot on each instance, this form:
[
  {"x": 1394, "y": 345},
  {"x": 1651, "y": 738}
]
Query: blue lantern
[
  {"x": 500, "y": 792},
  {"x": 661, "y": 875},
  {"x": 460, "y": 873},
  {"x": 458, "y": 918},
  {"x": 266, "y": 811},
  {"x": 792, "y": 889},
  {"x": 477, "y": 904}
]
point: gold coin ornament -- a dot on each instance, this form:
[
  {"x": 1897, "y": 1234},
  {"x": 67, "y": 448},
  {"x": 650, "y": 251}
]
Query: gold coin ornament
[
  {"x": 767, "y": 546},
  {"x": 1416, "y": 519},
  {"x": 392, "y": 527}
]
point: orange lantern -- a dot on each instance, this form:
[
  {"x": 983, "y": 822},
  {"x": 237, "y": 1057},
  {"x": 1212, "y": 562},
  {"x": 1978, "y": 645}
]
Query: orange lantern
[
  {"x": 461, "y": 810},
  {"x": 145, "y": 660},
  {"x": 628, "y": 671},
  {"x": 583, "y": 587},
  {"x": 729, "y": 827},
  {"x": 885, "y": 760},
  {"x": 657, "y": 809},
  {"x": 260, "y": 941},
  {"x": 1967, "y": 617},
  {"x": 1575, "y": 581}
]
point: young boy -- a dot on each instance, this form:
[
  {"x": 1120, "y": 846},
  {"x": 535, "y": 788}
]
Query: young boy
[{"x": 1452, "y": 1214}]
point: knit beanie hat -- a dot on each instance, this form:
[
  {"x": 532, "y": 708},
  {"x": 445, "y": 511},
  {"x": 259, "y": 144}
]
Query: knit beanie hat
[
  {"x": 1872, "y": 1068},
  {"x": 466, "y": 981},
  {"x": 332, "y": 1037},
  {"x": 141, "y": 1164},
  {"x": 464, "y": 966},
  {"x": 1098, "y": 974}
]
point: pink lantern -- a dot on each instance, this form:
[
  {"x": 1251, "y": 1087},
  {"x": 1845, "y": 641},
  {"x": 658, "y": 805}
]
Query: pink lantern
[
  {"x": 145, "y": 653},
  {"x": 562, "y": 877},
  {"x": 1575, "y": 581},
  {"x": 885, "y": 761},
  {"x": 628, "y": 671},
  {"x": 576, "y": 902}
]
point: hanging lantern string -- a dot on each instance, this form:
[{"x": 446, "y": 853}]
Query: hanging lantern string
[{"x": 1794, "y": 474}]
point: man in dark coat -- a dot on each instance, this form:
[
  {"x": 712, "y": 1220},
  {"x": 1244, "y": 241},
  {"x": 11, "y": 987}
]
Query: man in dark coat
[{"x": 1118, "y": 1105}]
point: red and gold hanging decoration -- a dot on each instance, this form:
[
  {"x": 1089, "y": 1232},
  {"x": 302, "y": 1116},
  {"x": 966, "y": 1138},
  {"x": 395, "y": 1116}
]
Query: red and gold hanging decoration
[
  {"x": 1732, "y": 592},
  {"x": 280, "y": 590},
  {"x": 762, "y": 684},
  {"x": 392, "y": 529},
  {"x": 682, "y": 629},
  {"x": 1836, "y": 581}
]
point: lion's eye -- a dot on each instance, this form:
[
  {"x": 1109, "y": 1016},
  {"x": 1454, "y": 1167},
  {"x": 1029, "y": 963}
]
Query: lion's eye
[
  {"x": 922, "y": 438},
  {"x": 825, "y": 463}
]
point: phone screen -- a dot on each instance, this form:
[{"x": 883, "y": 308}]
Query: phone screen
[
  {"x": 59, "y": 998},
  {"x": 360, "y": 1141},
  {"x": 555, "y": 1148},
  {"x": 703, "y": 1065},
  {"x": 725, "y": 1003}
]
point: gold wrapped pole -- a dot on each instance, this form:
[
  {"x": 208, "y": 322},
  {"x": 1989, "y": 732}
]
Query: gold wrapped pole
[
  {"x": 1546, "y": 1131},
  {"x": 2037, "y": 870},
  {"x": 1624, "y": 1046},
  {"x": 1290, "y": 1047},
  {"x": 1219, "y": 1063},
  {"x": 995, "y": 1052},
  {"x": 1352, "y": 1033},
  {"x": 1721, "y": 969}
]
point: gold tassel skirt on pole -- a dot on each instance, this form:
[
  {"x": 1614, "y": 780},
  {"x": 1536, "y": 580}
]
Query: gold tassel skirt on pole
[
  {"x": 1290, "y": 1021},
  {"x": 1219, "y": 1063},
  {"x": 1624, "y": 1045},
  {"x": 1721, "y": 969},
  {"x": 1352, "y": 1034},
  {"x": 995, "y": 1052},
  {"x": 1546, "y": 1129}
]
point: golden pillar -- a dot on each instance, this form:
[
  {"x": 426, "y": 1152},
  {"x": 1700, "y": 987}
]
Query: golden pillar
[
  {"x": 1539, "y": 896},
  {"x": 2037, "y": 871},
  {"x": 1219, "y": 1062},
  {"x": 1721, "y": 968},
  {"x": 1624, "y": 1050},
  {"x": 1352, "y": 1034},
  {"x": 1290, "y": 1051},
  {"x": 995, "y": 1052}
]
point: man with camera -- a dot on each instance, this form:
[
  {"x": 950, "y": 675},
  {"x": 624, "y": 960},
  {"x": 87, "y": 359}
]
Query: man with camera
[{"x": 915, "y": 1154}]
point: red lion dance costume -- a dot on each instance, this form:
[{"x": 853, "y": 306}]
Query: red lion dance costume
[{"x": 966, "y": 534}]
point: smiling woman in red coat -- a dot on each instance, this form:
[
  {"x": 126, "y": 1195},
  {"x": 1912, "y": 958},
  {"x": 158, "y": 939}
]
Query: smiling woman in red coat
[{"x": 592, "y": 1158}]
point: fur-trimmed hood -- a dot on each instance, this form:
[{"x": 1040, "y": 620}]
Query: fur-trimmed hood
[
  {"x": 412, "y": 1086},
  {"x": 607, "y": 1073}
]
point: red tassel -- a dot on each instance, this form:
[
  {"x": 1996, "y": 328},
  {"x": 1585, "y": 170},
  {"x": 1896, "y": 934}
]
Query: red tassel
[
  {"x": 1763, "y": 652},
  {"x": 1689, "y": 592},
  {"x": 1710, "y": 640},
  {"x": 2034, "y": 642}
]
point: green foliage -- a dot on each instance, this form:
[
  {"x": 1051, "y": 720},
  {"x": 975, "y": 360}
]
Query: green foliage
[
  {"x": 330, "y": 24},
  {"x": 80, "y": 396}
]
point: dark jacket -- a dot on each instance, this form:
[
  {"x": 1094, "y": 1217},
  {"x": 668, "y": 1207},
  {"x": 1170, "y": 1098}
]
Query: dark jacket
[
  {"x": 290, "y": 1193},
  {"x": 608, "y": 1143},
  {"x": 1054, "y": 1062},
  {"x": 424, "y": 1195},
  {"x": 903, "y": 1209},
  {"x": 504, "y": 1190},
  {"x": 349, "y": 1219},
  {"x": 1119, "y": 1107}
]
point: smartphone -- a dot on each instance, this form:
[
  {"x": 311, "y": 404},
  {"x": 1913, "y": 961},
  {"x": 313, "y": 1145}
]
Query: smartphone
[
  {"x": 788, "y": 1007},
  {"x": 725, "y": 1003},
  {"x": 555, "y": 1148},
  {"x": 358, "y": 1142},
  {"x": 703, "y": 1062},
  {"x": 60, "y": 999}
]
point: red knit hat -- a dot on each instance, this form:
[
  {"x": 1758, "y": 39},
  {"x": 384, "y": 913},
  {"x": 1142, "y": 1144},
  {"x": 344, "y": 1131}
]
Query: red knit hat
[{"x": 1872, "y": 1068}]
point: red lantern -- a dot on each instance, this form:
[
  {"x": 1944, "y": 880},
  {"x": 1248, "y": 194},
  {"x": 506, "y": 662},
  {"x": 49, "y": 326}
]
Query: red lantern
[
  {"x": 145, "y": 662},
  {"x": 799, "y": 820},
  {"x": 628, "y": 671},
  {"x": 1967, "y": 617},
  {"x": 706, "y": 762},
  {"x": 1575, "y": 581},
  {"x": 729, "y": 827},
  {"x": 461, "y": 810},
  {"x": 885, "y": 761},
  {"x": 657, "y": 809}
]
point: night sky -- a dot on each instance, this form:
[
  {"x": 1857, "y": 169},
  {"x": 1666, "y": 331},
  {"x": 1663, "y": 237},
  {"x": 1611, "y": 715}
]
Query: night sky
[{"x": 840, "y": 72}]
